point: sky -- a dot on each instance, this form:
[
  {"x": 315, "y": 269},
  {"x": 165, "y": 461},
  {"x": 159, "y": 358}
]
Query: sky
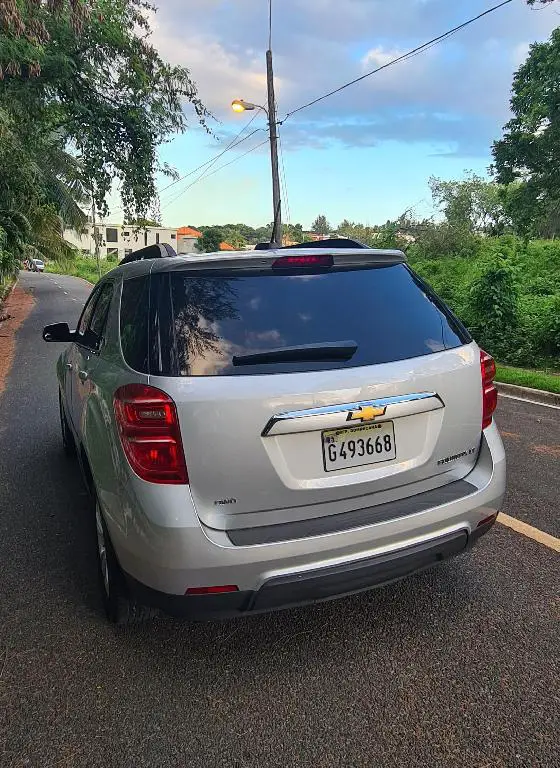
[{"x": 365, "y": 154}]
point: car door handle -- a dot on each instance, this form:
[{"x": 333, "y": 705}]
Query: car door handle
[{"x": 82, "y": 375}]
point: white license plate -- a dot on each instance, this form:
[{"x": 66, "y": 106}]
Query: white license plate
[{"x": 357, "y": 446}]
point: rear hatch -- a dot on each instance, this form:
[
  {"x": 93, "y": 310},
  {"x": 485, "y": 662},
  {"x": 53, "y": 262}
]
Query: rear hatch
[{"x": 312, "y": 385}]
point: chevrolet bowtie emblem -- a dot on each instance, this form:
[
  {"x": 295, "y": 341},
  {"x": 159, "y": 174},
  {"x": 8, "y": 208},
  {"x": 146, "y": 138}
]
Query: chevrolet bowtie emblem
[{"x": 366, "y": 413}]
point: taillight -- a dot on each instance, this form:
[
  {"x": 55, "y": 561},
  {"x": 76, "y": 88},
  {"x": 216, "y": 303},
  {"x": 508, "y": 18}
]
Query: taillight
[
  {"x": 489, "y": 391},
  {"x": 150, "y": 434}
]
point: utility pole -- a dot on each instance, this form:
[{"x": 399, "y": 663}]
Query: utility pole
[
  {"x": 96, "y": 234},
  {"x": 276, "y": 202}
]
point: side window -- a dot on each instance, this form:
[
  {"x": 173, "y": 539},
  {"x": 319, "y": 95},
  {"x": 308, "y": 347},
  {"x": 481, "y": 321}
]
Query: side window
[
  {"x": 134, "y": 322},
  {"x": 87, "y": 312},
  {"x": 99, "y": 317}
]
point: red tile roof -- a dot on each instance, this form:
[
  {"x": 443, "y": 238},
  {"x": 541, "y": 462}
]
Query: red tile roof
[
  {"x": 189, "y": 232},
  {"x": 226, "y": 247}
]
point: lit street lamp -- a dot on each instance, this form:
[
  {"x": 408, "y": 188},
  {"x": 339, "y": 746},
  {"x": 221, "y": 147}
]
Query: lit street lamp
[{"x": 240, "y": 105}]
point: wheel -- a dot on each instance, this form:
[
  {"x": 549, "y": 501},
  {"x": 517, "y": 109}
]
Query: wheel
[
  {"x": 68, "y": 442},
  {"x": 120, "y": 608}
]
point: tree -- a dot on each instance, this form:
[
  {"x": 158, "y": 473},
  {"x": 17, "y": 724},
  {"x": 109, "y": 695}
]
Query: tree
[
  {"x": 87, "y": 71},
  {"x": 293, "y": 232},
  {"x": 235, "y": 239},
  {"x": 321, "y": 226},
  {"x": 474, "y": 204},
  {"x": 143, "y": 223},
  {"x": 529, "y": 151},
  {"x": 210, "y": 240}
]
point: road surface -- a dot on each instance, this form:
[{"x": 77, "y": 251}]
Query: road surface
[{"x": 454, "y": 667}]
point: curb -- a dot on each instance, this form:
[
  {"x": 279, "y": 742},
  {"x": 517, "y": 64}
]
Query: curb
[{"x": 538, "y": 396}]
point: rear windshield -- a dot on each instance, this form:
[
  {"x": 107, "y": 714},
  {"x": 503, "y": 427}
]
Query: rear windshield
[{"x": 204, "y": 325}]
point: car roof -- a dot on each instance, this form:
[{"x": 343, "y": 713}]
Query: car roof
[{"x": 240, "y": 260}]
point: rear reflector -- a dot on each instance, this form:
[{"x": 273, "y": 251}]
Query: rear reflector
[
  {"x": 150, "y": 434},
  {"x": 320, "y": 260},
  {"x": 212, "y": 590},
  {"x": 487, "y": 520},
  {"x": 489, "y": 391}
]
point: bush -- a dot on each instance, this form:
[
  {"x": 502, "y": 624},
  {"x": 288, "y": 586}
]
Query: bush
[
  {"x": 547, "y": 328},
  {"x": 438, "y": 241},
  {"x": 491, "y": 308}
]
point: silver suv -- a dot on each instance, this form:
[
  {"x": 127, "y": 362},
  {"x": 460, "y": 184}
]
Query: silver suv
[{"x": 271, "y": 428}]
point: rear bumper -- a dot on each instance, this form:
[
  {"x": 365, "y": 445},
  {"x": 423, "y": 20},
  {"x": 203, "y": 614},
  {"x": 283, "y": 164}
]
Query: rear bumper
[
  {"x": 163, "y": 561},
  {"x": 312, "y": 586}
]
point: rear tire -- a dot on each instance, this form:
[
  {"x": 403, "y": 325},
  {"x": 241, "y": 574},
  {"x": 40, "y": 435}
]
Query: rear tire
[
  {"x": 68, "y": 442},
  {"x": 119, "y": 606}
]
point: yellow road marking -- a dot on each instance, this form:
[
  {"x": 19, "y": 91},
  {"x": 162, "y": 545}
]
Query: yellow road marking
[{"x": 532, "y": 533}]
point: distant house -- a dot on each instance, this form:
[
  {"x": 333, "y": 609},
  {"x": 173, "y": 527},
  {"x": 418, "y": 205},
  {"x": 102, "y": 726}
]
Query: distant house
[
  {"x": 186, "y": 239},
  {"x": 118, "y": 240},
  {"x": 226, "y": 247}
]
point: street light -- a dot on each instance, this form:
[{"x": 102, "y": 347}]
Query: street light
[{"x": 240, "y": 105}]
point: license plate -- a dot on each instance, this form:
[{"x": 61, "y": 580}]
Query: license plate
[{"x": 358, "y": 446}]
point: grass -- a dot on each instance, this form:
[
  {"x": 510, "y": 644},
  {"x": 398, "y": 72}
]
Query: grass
[
  {"x": 5, "y": 287},
  {"x": 81, "y": 266},
  {"x": 548, "y": 381}
]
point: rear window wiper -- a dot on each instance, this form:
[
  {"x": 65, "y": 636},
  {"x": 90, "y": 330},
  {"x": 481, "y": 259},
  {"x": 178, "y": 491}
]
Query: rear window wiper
[{"x": 323, "y": 352}]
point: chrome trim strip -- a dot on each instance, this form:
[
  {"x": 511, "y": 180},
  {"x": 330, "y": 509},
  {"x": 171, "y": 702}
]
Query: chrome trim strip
[{"x": 344, "y": 408}]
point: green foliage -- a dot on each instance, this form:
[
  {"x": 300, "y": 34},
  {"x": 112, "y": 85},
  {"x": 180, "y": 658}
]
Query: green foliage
[
  {"x": 492, "y": 303},
  {"x": 321, "y": 226},
  {"x": 547, "y": 380},
  {"x": 91, "y": 73},
  {"x": 472, "y": 205},
  {"x": 210, "y": 240},
  {"x": 80, "y": 266},
  {"x": 442, "y": 240},
  {"x": 84, "y": 99},
  {"x": 529, "y": 151},
  {"x": 293, "y": 232},
  {"x": 507, "y": 292},
  {"x": 143, "y": 223}
]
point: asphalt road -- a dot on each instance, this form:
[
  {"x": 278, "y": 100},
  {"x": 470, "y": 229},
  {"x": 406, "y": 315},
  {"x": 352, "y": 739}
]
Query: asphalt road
[{"x": 458, "y": 666}]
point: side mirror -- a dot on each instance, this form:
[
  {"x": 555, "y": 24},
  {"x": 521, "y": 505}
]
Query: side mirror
[{"x": 58, "y": 332}]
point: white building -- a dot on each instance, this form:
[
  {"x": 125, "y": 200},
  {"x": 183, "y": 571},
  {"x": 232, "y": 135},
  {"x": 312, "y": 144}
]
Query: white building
[{"x": 119, "y": 239}]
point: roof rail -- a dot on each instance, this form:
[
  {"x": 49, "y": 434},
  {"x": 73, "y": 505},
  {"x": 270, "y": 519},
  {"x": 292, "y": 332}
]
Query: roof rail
[
  {"x": 331, "y": 242},
  {"x": 158, "y": 251}
]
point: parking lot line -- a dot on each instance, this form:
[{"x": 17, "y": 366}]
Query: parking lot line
[
  {"x": 527, "y": 530},
  {"x": 533, "y": 402}
]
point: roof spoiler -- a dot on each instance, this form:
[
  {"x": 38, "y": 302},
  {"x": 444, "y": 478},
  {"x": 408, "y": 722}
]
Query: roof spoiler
[
  {"x": 158, "y": 251},
  {"x": 331, "y": 242}
]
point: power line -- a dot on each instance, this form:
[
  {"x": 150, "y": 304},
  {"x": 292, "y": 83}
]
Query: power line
[
  {"x": 410, "y": 54},
  {"x": 235, "y": 159},
  {"x": 285, "y": 184},
  {"x": 233, "y": 143},
  {"x": 213, "y": 161},
  {"x": 269, "y": 25}
]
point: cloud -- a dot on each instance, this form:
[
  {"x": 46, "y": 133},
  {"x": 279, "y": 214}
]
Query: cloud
[
  {"x": 378, "y": 57},
  {"x": 454, "y": 96}
]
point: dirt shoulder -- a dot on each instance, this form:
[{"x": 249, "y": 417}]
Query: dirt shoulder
[{"x": 17, "y": 306}]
